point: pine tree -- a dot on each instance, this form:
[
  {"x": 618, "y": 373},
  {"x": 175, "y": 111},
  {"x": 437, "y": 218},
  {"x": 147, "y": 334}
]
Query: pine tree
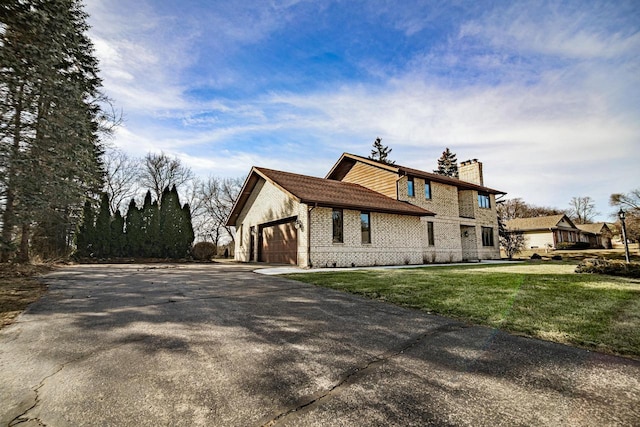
[
  {"x": 103, "y": 228},
  {"x": 49, "y": 140},
  {"x": 380, "y": 153},
  {"x": 447, "y": 164},
  {"x": 134, "y": 237},
  {"x": 85, "y": 238}
]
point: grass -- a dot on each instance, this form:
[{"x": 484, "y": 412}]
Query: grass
[
  {"x": 542, "y": 300},
  {"x": 18, "y": 289}
]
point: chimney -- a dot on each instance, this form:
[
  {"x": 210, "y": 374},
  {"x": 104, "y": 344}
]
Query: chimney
[{"x": 471, "y": 171}]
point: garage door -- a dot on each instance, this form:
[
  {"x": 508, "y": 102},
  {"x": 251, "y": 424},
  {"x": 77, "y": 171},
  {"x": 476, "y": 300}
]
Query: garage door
[{"x": 279, "y": 244}]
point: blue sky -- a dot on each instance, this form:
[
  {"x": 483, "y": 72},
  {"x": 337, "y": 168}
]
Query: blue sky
[{"x": 545, "y": 94}]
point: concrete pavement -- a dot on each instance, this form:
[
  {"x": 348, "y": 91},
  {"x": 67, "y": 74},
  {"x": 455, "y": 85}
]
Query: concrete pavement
[{"x": 204, "y": 344}]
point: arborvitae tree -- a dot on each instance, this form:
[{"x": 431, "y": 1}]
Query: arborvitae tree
[
  {"x": 187, "y": 230},
  {"x": 171, "y": 224},
  {"x": 103, "y": 228},
  {"x": 85, "y": 238},
  {"x": 380, "y": 153},
  {"x": 153, "y": 243},
  {"x": 147, "y": 213},
  {"x": 118, "y": 241},
  {"x": 134, "y": 237},
  {"x": 49, "y": 138},
  {"x": 447, "y": 164}
]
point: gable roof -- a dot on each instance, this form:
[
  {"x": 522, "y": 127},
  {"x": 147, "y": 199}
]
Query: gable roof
[
  {"x": 597, "y": 228},
  {"x": 347, "y": 160},
  {"x": 537, "y": 223},
  {"x": 323, "y": 192}
]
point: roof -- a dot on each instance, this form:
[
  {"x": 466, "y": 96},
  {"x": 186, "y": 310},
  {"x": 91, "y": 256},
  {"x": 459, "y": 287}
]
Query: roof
[
  {"x": 536, "y": 223},
  {"x": 347, "y": 160},
  {"x": 597, "y": 228},
  {"x": 324, "y": 192}
]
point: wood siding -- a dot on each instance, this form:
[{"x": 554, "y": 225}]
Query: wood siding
[{"x": 374, "y": 178}]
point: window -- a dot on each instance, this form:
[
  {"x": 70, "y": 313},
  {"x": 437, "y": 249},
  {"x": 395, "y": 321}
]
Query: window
[
  {"x": 484, "y": 201},
  {"x": 427, "y": 190},
  {"x": 338, "y": 236},
  {"x": 487, "y": 236},
  {"x": 240, "y": 236},
  {"x": 365, "y": 227},
  {"x": 430, "y": 236},
  {"x": 410, "y": 190}
]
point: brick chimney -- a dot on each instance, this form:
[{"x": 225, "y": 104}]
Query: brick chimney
[{"x": 471, "y": 171}]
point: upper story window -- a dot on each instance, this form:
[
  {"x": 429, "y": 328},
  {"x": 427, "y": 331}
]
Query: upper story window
[
  {"x": 365, "y": 227},
  {"x": 410, "y": 189},
  {"x": 427, "y": 189},
  {"x": 484, "y": 201},
  {"x": 338, "y": 235}
]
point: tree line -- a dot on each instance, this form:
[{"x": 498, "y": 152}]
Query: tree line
[
  {"x": 155, "y": 230},
  {"x": 54, "y": 121},
  {"x": 210, "y": 199}
]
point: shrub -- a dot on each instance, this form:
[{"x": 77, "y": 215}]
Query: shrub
[
  {"x": 203, "y": 251},
  {"x": 611, "y": 267},
  {"x": 557, "y": 257},
  {"x": 536, "y": 256}
]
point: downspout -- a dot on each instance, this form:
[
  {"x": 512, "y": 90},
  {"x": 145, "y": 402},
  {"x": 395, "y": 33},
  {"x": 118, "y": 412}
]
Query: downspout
[{"x": 309, "y": 209}]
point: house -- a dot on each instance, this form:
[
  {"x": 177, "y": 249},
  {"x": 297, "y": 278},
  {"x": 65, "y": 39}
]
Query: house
[
  {"x": 598, "y": 235},
  {"x": 365, "y": 213},
  {"x": 549, "y": 231}
]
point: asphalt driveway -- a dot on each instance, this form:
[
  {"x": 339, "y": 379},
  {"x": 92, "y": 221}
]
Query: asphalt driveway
[{"x": 150, "y": 345}]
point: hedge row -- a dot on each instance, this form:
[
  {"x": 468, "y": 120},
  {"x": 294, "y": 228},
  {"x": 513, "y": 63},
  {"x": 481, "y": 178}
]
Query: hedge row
[{"x": 611, "y": 267}]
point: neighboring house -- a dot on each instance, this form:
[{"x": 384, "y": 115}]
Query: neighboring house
[
  {"x": 549, "y": 231},
  {"x": 365, "y": 213},
  {"x": 598, "y": 235}
]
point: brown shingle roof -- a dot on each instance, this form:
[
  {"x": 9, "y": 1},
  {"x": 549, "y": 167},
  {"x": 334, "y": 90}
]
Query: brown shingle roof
[
  {"x": 535, "y": 223},
  {"x": 340, "y": 169},
  {"x": 323, "y": 192},
  {"x": 330, "y": 193},
  {"x": 596, "y": 228}
]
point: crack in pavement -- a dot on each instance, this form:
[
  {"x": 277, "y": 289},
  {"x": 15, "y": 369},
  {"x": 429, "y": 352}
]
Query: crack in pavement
[
  {"x": 23, "y": 418},
  {"x": 350, "y": 376},
  {"x": 33, "y": 401}
]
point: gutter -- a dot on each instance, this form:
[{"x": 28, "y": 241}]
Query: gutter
[{"x": 309, "y": 209}]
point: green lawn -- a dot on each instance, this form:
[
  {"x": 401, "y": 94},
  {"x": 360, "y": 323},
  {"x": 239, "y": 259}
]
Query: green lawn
[{"x": 543, "y": 300}]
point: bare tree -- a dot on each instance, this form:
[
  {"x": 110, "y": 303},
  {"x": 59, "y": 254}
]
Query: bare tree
[
  {"x": 512, "y": 241},
  {"x": 193, "y": 195},
  {"x": 631, "y": 203},
  {"x": 218, "y": 197},
  {"x": 160, "y": 171},
  {"x": 582, "y": 210},
  {"x": 518, "y": 208},
  {"x": 121, "y": 183},
  {"x": 630, "y": 200}
]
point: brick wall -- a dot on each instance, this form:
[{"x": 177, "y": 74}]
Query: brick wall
[
  {"x": 268, "y": 203},
  {"x": 394, "y": 240}
]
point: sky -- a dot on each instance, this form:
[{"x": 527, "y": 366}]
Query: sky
[{"x": 545, "y": 94}]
